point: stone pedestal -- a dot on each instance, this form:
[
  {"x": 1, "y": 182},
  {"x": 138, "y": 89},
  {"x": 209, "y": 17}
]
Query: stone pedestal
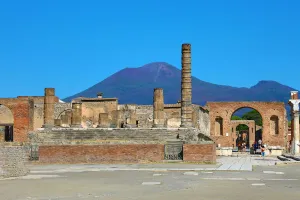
[
  {"x": 49, "y": 102},
  {"x": 186, "y": 87},
  {"x": 64, "y": 121},
  {"x": 103, "y": 121},
  {"x": 57, "y": 122},
  {"x": 158, "y": 108},
  {"x": 76, "y": 115}
]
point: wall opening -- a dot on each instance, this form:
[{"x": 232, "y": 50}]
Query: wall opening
[
  {"x": 6, "y": 124},
  {"x": 242, "y": 141},
  {"x": 246, "y": 113},
  {"x": 274, "y": 125},
  {"x": 218, "y": 126}
]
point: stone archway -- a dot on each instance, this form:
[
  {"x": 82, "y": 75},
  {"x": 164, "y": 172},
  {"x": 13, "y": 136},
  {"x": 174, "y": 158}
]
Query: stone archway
[
  {"x": 251, "y": 126},
  {"x": 22, "y": 111},
  {"x": 266, "y": 109}
]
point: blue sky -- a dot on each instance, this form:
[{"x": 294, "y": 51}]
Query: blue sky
[{"x": 72, "y": 45}]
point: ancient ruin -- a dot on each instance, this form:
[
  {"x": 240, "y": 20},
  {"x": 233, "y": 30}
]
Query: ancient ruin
[{"x": 102, "y": 130}]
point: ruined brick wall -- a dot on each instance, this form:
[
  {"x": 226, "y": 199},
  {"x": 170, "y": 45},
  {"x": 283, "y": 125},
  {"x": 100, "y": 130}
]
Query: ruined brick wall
[
  {"x": 12, "y": 161},
  {"x": 172, "y": 115},
  {"x": 199, "y": 153},
  {"x": 144, "y": 114},
  {"x": 266, "y": 109},
  {"x": 91, "y": 110},
  {"x": 203, "y": 123},
  {"x": 129, "y": 153},
  {"x": 6, "y": 116},
  {"x": 20, "y": 109},
  {"x": 127, "y": 114},
  {"x": 60, "y": 108}
]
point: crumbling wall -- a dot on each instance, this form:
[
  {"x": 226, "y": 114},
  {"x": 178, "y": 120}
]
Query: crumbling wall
[
  {"x": 12, "y": 161},
  {"x": 60, "y": 108},
  {"x": 144, "y": 115},
  {"x": 91, "y": 110},
  {"x": 203, "y": 123}
]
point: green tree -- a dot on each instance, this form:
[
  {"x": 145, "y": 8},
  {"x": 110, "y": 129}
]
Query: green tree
[
  {"x": 253, "y": 115},
  {"x": 240, "y": 127}
]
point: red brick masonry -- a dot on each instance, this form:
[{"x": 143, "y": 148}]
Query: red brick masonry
[
  {"x": 127, "y": 153},
  {"x": 199, "y": 153},
  {"x": 131, "y": 153}
]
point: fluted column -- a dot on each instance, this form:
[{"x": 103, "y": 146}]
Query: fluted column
[
  {"x": 186, "y": 87},
  {"x": 158, "y": 108},
  {"x": 49, "y": 102},
  {"x": 76, "y": 115}
]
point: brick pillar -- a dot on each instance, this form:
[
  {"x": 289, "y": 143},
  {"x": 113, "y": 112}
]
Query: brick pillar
[
  {"x": 68, "y": 113},
  {"x": 76, "y": 115},
  {"x": 186, "y": 87},
  {"x": 158, "y": 108},
  {"x": 64, "y": 121},
  {"x": 49, "y": 102},
  {"x": 103, "y": 121}
]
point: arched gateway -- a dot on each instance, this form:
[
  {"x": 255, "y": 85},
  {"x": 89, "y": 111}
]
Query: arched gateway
[
  {"x": 273, "y": 118},
  {"x": 20, "y": 115}
]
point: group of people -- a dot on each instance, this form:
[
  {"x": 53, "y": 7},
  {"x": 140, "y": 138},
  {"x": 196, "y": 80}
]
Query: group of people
[{"x": 258, "y": 145}]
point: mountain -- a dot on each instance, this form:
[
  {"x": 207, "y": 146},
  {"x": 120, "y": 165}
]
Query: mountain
[{"x": 135, "y": 85}]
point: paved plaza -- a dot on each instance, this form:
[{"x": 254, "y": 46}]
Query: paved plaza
[{"x": 158, "y": 181}]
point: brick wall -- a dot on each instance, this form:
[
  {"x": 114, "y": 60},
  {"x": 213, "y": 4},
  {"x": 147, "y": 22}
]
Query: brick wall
[
  {"x": 20, "y": 110},
  {"x": 267, "y": 110},
  {"x": 199, "y": 153},
  {"x": 131, "y": 153},
  {"x": 128, "y": 153}
]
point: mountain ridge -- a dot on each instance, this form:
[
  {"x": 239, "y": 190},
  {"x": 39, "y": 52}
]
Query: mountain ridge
[{"x": 135, "y": 85}]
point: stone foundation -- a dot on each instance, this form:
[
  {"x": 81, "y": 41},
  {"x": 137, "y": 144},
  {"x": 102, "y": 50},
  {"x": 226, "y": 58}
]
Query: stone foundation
[
  {"x": 129, "y": 153},
  {"x": 118, "y": 153},
  {"x": 108, "y": 145},
  {"x": 12, "y": 161}
]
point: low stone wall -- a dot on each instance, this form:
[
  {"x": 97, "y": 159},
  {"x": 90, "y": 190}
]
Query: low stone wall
[
  {"x": 225, "y": 151},
  {"x": 199, "y": 153},
  {"x": 94, "y": 136},
  {"x": 129, "y": 153},
  {"x": 122, "y": 153},
  {"x": 12, "y": 161}
]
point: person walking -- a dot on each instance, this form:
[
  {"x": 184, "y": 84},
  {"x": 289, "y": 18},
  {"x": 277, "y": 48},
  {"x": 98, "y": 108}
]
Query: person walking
[{"x": 263, "y": 151}]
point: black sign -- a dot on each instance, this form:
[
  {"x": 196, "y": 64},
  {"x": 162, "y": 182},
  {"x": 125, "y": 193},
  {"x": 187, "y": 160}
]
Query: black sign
[{"x": 174, "y": 150}]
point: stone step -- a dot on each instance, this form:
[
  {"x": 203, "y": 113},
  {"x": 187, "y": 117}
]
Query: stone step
[
  {"x": 282, "y": 158},
  {"x": 292, "y": 157}
]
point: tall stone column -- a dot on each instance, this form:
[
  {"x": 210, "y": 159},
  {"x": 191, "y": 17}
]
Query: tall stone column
[
  {"x": 76, "y": 115},
  {"x": 186, "y": 87},
  {"x": 294, "y": 102},
  {"x": 49, "y": 102},
  {"x": 158, "y": 108}
]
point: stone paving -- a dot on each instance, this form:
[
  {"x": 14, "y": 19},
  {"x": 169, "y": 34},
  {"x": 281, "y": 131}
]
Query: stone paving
[
  {"x": 223, "y": 164},
  {"x": 265, "y": 182}
]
